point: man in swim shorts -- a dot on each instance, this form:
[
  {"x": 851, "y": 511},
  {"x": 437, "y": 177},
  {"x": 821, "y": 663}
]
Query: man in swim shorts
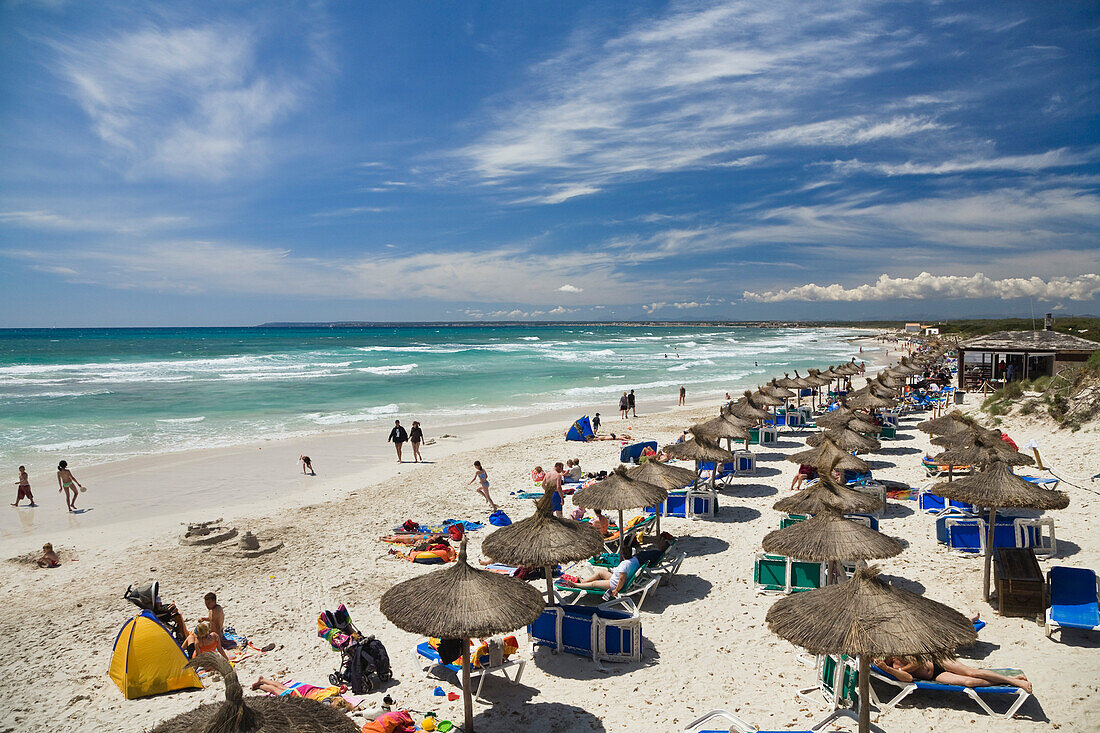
[{"x": 554, "y": 480}]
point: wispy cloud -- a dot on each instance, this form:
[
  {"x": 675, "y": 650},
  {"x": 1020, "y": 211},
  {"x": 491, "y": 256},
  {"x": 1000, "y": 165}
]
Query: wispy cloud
[
  {"x": 1059, "y": 158},
  {"x": 953, "y": 287},
  {"x": 51, "y": 220}
]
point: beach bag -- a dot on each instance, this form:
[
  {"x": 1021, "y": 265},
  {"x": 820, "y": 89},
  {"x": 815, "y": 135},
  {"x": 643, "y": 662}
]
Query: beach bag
[
  {"x": 381, "y": 659},
  {"x": 456, "y": 531},
  {"x": 360, "y": 665},
  {"x": 499, "y": 519}
]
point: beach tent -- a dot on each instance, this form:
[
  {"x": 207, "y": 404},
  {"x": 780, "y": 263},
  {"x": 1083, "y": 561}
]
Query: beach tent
[
  {"x": 581, "y": 430},
  {"x": 148, "y": 661}
]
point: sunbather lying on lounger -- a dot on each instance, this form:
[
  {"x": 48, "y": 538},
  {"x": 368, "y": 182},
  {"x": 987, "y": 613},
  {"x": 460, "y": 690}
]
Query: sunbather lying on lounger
[
  {"x": 610, "y": 580},
  {"x": 327, "y": 695},
  {"x": 610, "y": 436},
  {"x": 948, "y": 672}
]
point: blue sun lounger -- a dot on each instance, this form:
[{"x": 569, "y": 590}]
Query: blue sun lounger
[
  {"x": 977, "y": 694},
  {"x": 599, "y": 632},
  {"x": 424, "y": 650},
  {"x": 1073, "y": 600}
]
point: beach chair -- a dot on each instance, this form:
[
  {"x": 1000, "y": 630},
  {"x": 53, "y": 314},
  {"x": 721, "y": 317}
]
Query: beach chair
[
  {"x": 930, "y": 503},
  {"x": 766, "y": 435},
  {"x": 633, "y": 526},
  {"x": 935, "y": 470},
  {"x": 784, "y": 575},
  {"x": 708, "y": 723},
  {"x": 1015, "y": 695},
  {"x": 1029, "y": 533},
  {"x": 1046, "y": 483},
  {"x": 744, "y": 462},
  {"x": 1073, "y": 600},
  {"x": 603, "y": 633},
  {"x": 638, "y": 585},
  {"x": 888, "y": 432},
  {"x": 724, "y": 476},
  {"x": 968, "y": 534},
  {"x": 665, "y": 567},
  {"x": 631, "y": 453},
  {"x": 484, "y": 670},
  {"x": 688, "y": 504}
]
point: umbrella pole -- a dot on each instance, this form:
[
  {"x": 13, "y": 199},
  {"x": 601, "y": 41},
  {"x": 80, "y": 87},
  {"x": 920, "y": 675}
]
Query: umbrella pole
[
  {"x": 549, "y": 584},
  {"x": 622, "y": 535},
  {"x": 864, "y": 692},
  {"x": 467, "y": 701},
  {"x": 988, "y": 554}
]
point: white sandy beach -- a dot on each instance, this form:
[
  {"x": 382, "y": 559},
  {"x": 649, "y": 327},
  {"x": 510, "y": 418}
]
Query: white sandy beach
[{"x": 705, "y": 641}]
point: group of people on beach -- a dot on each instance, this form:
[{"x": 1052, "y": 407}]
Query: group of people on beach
[
  {"x": 399, "y": 436},
  {"x": 66, "y": 483}
]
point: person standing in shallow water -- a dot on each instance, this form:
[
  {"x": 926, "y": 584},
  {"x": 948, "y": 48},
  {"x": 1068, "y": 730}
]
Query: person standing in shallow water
[
  {"x": 68, "y": 484},
  {"x": 24, "y": 487},
  {"x": 398, "y": 436},
  {"x": 416, "y": 437}
]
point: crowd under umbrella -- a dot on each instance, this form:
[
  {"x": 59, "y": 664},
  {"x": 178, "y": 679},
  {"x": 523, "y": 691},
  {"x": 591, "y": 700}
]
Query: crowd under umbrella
[
  {"x": 995, "y": 486},
  {"x": 660, "y": 474},
  {"x": 828, "y": 537},
  {"x": 828, "y": 453},
  {"x": 619, "y": 491},
  {"x": 462, "y": 602},
  {"x": 700, "y": 450},
  {"x": 543, "y": 541},
  {"x": 828, "y": 495},
  {"x": 845, "y": 439},
  {"x": 869, "y": 618}
]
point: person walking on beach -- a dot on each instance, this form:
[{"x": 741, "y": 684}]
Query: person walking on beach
[
  {"x": 631, "y": 403},
  {"x": 307, "y": 465},
  {"x": 398, "y": 436},
  {"x": 482, "y": 477},
  {"x": 24, "y": 484},
  {"x": 624, "y": 406},
  {"x": 554, "y": 480},
  {"x": 416, "y": 437},
  {"x": 596, "y": 423},
  {"x": 683, "y": 395},
  {"x": 68, "y": 483}
]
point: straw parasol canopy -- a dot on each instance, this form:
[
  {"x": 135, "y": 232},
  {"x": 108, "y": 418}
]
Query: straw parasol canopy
[
  {"x": 720, "y": 427},
  {"x": 870, "y": 618},
  {"x": 461, "y": 602},
  {"x": 816, "y": 378},
  {"x": 952, "y": 422},
  {"x": 982, "y": 451},
  {"x": 777, "y": 390},
  {"x": 746, "y": 407},
  {"x": 697, "y": 449},
  {"x": 620, "y": 491},
  {"x": 662, "y": 474},
  {"x": 830, "y": 454},
  {"x": 848, "y": 419},
  {"x": 865, "y": 399},
  {"x": 845, "y": 439},
  {"x": 828, "y": 536},
  {"x": 762, "y": 398},
  {"x": 994, "y": 487},
  {"x": 743, "y": 422},
  {"x": 543, "y": 540},
  {"x": 827, "y": 495}
]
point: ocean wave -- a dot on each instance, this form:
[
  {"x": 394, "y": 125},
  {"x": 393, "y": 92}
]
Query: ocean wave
[
  {"x": 200, "y": 418},
  {"x": 50, "y": 395},
  {"x": 342, "y": 418},
  {"x": 389, "y": 369},
  {"x": 74, "y": 444},
  {"x": 529, "y": 338}
]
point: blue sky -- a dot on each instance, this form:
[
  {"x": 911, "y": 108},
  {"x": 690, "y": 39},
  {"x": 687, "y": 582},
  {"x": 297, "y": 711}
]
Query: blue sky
[{"x": 232, "y": 163}]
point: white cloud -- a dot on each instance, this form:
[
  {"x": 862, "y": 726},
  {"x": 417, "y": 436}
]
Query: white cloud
[
  {"x": 926, "y": 286},
  {"x": 51, "y": 220},
  {"x": 559, "y": 194},
  {"x": 183, "y": 102},
  {"x": 1061, "y": 157},
  {"x": 567, "y": 288}
]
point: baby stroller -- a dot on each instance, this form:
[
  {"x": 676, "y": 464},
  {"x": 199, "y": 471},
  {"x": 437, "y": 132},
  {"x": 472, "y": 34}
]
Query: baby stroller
[
  {"x": 147, "y": 598},
  {"x": 360, "y": 656}
]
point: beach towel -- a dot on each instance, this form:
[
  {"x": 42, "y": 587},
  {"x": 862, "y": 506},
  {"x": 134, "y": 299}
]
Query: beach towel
[
  {"x": 395, "y": 721},
  {"x": 499, "y": 519}
]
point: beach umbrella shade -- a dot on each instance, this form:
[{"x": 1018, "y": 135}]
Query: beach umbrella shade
[
  {"x": 827, "y": 536},
  {"x": 865, "y": 399},
  {"x": 777, "y": 390},
  {"x": 967, "y": 437},
  {"x": 845, "y": 439},
  {"x": 952, "y": 422},
  {"x": 844, "y": 418},
  {"x": 747, "y": 408},
  {"x": 827, "y": 495},
  {"x": 996, "y": 487},
  {"x": 831, "y": 455},
  {"x": 543, "y": 541},
  {"x": 462, "y": 602},
  {"x": 742, "y": 422},
  {"x": 618, "y": 492},
  {"x": 763, "y": 399},
  {"x": 719, "y": 427},
  {"x": 663, "y": 475},
  {"x": 869, "y": 618},
  {"x": 700, "y": 450}
]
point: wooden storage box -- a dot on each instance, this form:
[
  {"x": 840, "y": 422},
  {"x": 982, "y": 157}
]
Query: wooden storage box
[{"x": 1019, "y": 582}]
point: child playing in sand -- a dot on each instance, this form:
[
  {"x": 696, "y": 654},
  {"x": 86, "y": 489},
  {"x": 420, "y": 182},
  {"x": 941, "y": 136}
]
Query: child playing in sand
[
  {"x": 49, "y": 558},
  {"x": 538, "y": 475},
  {"x": 202, "y": 639},
  {"x": 24, "y": 484},
  {"x": 307, "y": 465}
]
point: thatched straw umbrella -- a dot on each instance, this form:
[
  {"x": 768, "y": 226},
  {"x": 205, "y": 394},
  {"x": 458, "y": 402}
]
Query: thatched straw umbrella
[
  {"x": 720, "y": 427},
  {"x": 620, "y": 491},
  {"x": 844, "y": 418},
  {"x": 660, "y": 474},
  {"x": 948, "y": 424},
  {"x": 699, "y": 449},
  {"x": 542, "y": 541},
  {"x": 996, "y": 486},
  {"x": 747, "y": 409},
  {"x": 462, "y": 602},
  {"x": 762, "y": 398},
  {"x": 829, "y": 454},
  {"x": 828, "y": 537},
  {"x": 777, "y": 390},
  {"x": 845, "y": 439},
  {"x": 865, "y": 399},
  {"x": 828, "y": 495},
  {"x": 869, "y": 618}
]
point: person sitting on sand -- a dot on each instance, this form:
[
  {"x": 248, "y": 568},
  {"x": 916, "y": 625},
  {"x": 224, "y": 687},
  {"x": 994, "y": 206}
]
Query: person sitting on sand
[
  {"x": 307, "y": 465},
  {"x": 805, "y": 472},
  {"x": 216, "y": 619},
  {"x": 611, "y": 581},
  {"x": 948, "y": 672},
  {"x": 24, "y": 488},
  {"x": 49, "y": 558},
  {"x": 328, "y": 695},
  {"x": 202, "y": 639},
  {"x": 538, "y": 475},
  {"x": 575, "y": 473}
]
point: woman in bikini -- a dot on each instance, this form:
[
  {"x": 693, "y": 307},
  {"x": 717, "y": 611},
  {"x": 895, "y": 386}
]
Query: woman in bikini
[
  {"x": 204, "y": 640},
  {"x": 68, "y": 483},
  {"x": 482, "y": 477},
  {"x": 327, "y": 695},
  {"x": 948, "y": 672}
]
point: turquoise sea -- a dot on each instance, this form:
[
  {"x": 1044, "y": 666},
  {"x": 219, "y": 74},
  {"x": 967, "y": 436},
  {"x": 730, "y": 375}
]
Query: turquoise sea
[{"x": 92, "y": 395}]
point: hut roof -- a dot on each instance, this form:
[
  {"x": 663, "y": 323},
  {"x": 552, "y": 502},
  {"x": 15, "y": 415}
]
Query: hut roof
[
  {"x": 620, "y": 491},
  {"x": 998, "y": 486},
  {"x": 698, "y": 449},
  {"x": 662, "y": 474},
  {"x": 1030, "y": 341}
]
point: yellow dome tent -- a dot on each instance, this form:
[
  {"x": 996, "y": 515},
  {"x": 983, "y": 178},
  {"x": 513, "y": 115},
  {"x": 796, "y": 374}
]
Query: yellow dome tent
[{"x": 148, "y": 661}]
